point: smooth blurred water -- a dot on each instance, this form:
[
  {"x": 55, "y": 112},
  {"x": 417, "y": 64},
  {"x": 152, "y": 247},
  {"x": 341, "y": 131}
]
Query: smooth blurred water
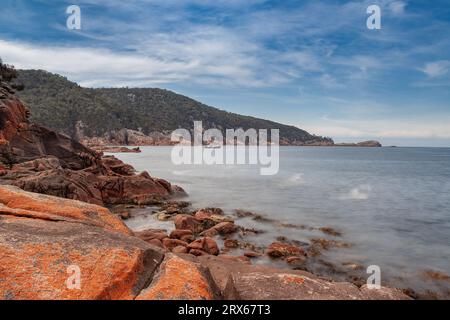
[{"x": 393, "y": 204}]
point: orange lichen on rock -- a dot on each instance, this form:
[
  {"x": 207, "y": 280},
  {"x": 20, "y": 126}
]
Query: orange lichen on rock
[
  {"x": 37, "y": 257},
  {"x": 28, "y": 202},
  {"x": 179, "y": 279}
]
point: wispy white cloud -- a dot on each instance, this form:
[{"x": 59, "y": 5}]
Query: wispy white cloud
[
  {"x": 436, "y": 69},
  {"x": 397, "y": 7}
]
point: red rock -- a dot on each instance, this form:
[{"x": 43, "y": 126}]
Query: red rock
[
  {"x": 383, "y": 293},
  {"x": 27, "y": 204},
  {"x": 208, "y": 212},
  {"x": 150, "y": 234},
  {"x": 205, "y": 244},
  {"x": 44, "y": 161},
  {"x": 186, "y": 222},
  {"x": 180, "y": 279},
  {"x": 43, "y": 240},
  {"x": 211, "y": 232},
  {"x": 295, "y": 259},
  {"x": 170, "y": 244},
  {"x": 252, "y": 254},
  {"x": 210, "y": 217},
  {"x": 231, "y": 243},
  {"x": 240, "y": 259},
  {"x": 283, "y": 250},
  {"x": 180, "y": 249},
  {"x": 156, "y": 242},
  {"x": 178, "y": 233},
  {"x": 198, "y": 253}
]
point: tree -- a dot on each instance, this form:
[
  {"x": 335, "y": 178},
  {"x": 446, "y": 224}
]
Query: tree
[{"x": 8, "y": 73}]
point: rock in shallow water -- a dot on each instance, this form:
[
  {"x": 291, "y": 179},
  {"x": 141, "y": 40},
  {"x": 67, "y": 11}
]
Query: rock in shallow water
[{"x": 283, "y": 250}]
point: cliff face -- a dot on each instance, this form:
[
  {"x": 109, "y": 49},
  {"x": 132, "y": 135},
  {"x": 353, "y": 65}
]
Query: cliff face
[{"x": 38, "y": 159}]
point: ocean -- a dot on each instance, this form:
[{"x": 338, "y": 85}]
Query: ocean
[{"x": 391, "y": 204}]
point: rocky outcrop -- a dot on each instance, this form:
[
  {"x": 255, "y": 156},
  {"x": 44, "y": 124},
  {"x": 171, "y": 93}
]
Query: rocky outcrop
[
  {"x": 181, "y": 279},
  {"x": 241, "y": 281},
  {"x": 45, "y": 240},
  {"x": 39, "y": 160},
  {"x": 109, "y": 149}
]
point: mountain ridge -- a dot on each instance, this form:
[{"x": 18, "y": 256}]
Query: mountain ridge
[{"x": 102, "y": 114}]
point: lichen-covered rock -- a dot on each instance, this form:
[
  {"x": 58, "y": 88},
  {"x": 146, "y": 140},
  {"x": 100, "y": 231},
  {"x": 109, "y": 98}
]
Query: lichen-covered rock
[
  {"x": 180, "y": 279},
  {"x": 240, "y": 281},
  {"x": 45, "y": 242},
  {"x": 38, "y": 206}
]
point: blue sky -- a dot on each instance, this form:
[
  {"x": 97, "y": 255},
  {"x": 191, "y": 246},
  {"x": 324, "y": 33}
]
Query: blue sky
[{"x": 313, "y": 64}]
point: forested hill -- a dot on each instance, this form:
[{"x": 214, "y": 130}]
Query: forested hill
[{"x": 60, "y": 104}]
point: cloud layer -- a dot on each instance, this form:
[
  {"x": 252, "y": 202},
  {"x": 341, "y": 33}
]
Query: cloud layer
[{"x": 290, "y": 61}]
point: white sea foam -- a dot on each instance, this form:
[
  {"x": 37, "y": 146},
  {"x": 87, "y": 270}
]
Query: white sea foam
[
  {"x": 294, "y": 180},
  {"x": 361, "y": 192}
]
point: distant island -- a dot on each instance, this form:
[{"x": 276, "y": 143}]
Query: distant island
[{"x": 367, "y": 144}]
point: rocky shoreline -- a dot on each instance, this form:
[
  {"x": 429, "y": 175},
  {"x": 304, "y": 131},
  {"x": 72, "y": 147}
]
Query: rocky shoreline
[{"x": 53, "y": 219}]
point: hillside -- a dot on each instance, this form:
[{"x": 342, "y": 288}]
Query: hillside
[{"x": 81, "y": 112}]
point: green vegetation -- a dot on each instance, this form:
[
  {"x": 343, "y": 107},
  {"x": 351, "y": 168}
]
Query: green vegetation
[{"x": 59, "y": 104}]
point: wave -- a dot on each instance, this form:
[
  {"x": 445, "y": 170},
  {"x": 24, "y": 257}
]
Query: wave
[
  {"x": 361, "y": 192},
  {"x": 294, "y": 180}
]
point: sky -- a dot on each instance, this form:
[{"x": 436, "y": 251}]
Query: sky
[{"x": 312, "y": 64}]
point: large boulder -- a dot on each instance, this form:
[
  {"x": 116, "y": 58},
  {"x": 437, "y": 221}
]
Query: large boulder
[
  {"x": 180, "y": 279},
  {"x": 39, "y": 206},
  {"x": 49, "y": 244},
  {"x": 241, "y": 281}
]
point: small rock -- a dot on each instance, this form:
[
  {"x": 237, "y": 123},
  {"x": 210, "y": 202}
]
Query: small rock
[
  {"x": 295, "y": 260},
  {"x": 164, "y": 216},
  {"x": 198, "y": 253},
  {"x": 327, "y": 244},
  {"x": 150, "y": 234},
  {"x": 252, "y": 254},
  {"x": 170, "y": 244},
  {"x": 330, "y": 231},
  {"x": 186, "y": 222},
  {"x": 125, "y": 215},
  {"x": 180, "y": 249},
  {"x": 179, "y": 233},
  {"x": 222, "y": 228},
  {"x": 231, "y": 243},
  {"x": 211, "y": 232},
  {"x": 283, "y": 250},
  {"x": 205, "y": 244},
  {"x": 156, "y": 242}
]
